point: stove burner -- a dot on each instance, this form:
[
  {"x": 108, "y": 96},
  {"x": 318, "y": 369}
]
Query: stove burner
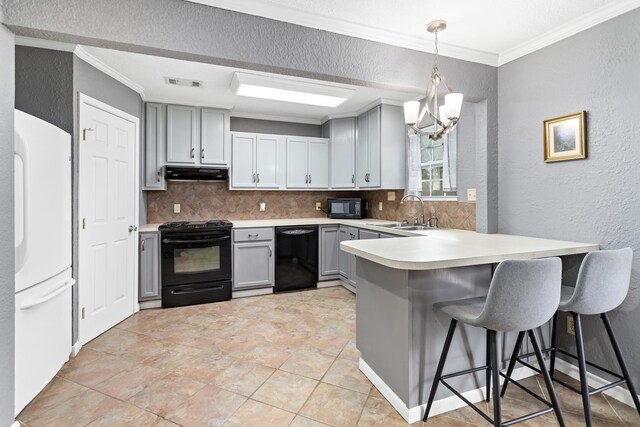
[{"x": 190, "y": 225}]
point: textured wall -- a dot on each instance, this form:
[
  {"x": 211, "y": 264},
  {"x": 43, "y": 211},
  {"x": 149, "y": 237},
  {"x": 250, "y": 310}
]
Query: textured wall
[
  {"x": 593, "y": 200},
  {"x": 240, "y": 124},
  {"x": 44, "y": 85},
  {"x": 184, "y": 30},
  {"x": 94, "y": 83},
  {"x": 7, "y": 286}
]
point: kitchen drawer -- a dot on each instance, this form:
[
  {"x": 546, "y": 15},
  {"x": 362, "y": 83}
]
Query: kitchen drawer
[{"x": 252, "y": 234}]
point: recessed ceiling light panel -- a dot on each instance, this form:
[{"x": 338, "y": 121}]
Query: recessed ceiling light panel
[{"x": 288, "y": 90}]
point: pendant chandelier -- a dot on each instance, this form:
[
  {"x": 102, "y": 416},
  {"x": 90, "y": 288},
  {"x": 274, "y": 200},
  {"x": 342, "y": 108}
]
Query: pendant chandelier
[{"x": 444, "y": 117}]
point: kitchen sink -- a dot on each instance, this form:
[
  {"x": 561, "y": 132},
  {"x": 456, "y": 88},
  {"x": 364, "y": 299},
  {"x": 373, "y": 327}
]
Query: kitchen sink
[{"x": 411, "y": 227}]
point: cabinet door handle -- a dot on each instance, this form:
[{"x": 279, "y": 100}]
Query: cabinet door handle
[
  {"x": 142, "y": 245},
  {"x": 256, "y": 235},
  {"x": 257, "y": 177},
  {"x": 353, "y": 178},
  {"x": 306, "y": 179},
  {"x": 254, "y": 178},
  {"x": 159, "y": 175},
  {"x": 202, "y": 153},
  {"x": 309, "y": 179},
  {"x": 270, "y": 252},
  {"x": 193, "y": 153}
]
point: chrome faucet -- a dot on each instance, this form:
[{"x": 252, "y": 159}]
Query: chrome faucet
[{"x": 415, "y": 196}]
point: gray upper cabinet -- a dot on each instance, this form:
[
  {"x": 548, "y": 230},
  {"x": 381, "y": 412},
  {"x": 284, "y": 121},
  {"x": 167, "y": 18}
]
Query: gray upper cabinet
[
  {"x": 155, "y": 144},
  {"x": 182, "y": 134},
  {"x": 213, "y": 137},
  {"x": 149, "y": 284},
  {"x": 329, "y": 252},
  {"x": 342, "y": 133},
  {"x": 254, "y": 161},
  {"x": 307, "y": 163},
  {"x": 380, "y": 147}
]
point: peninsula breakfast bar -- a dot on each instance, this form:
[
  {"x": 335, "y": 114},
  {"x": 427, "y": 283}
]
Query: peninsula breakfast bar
[{"x": 399, "y": 334}]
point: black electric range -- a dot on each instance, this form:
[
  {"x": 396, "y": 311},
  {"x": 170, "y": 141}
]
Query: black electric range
[{"x": 196, "y": 262}]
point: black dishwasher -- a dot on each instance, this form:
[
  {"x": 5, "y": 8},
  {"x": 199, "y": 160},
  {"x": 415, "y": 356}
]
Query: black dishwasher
[{"x": 296, "y": 258}]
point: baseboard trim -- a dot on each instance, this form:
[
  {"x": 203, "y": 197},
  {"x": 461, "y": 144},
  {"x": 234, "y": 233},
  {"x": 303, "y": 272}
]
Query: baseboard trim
[
  {"x": 75, "y": 349},
  {"x": 415, "y": 414},
  {"x": 329, "y": 284},
  {"x": 252, "y": 292},
  {"x": 619, "y": 393},
  {"x": 348, "y": 287},
  {"x": 145, "y": 305}
]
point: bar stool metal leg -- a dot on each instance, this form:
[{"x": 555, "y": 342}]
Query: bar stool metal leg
[
  {"x": 547, "y": 377},
  {"x": 512, "y": 361},
  {"x": 554, "y": 332},
  {"x": 582, "y": 366},
  {"x": 488, "y": 371},
  {"x": 443, "y": 358},
  {"x": 493, "y": 344},
  {"x": 621, "y": 362}
]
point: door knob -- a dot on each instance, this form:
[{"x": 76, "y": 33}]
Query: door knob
[{"x": 132, "y": 228}]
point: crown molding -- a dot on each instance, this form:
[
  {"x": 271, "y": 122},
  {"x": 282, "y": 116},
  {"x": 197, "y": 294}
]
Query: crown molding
[
  {"x": 81, "y": 53},
  {"x": 44, "y": 44},
  {"x": 304, "y": 18},
  {"x": 568, "y": 29},
  {"x": 269, "y": 117},
  {"x": 187, "y": 103}
]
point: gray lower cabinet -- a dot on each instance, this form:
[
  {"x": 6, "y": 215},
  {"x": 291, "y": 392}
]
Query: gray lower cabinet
[
  {"x": 366, "y": 235},
  {"x": 253, "y": 258},
  {"x": 329, "y": 252},
  {"x": 149, "y": 266},
  {"x": 346, "y": 261}
]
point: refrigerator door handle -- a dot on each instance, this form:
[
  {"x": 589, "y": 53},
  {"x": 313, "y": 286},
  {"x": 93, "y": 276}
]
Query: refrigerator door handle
[
  {"x": 21, "y": 165},
  {"x": 66, "y": 285}
]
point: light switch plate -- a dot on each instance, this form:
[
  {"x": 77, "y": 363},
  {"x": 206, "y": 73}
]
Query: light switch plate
[
  {"x": 263, "y": 206},
  {"x": 380, "y": 206},
  {"x": 176, "y": 208},
  {"x": 471, "y": 194},
  {"x": 391, "y": 195},
  {"x": 318, "y": 206}
]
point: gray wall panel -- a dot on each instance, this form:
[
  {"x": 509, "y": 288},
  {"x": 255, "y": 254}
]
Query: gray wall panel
[
  {"x": 593, "y": 200},
  {"x": 7, "y": 284},
  {"x": 183, "y": 30},
  {"x": 44, "y": 85},
  {"x": 240, "y": 124}
]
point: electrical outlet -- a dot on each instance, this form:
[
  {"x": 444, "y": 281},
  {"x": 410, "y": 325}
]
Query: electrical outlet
[
  {"x": 318, "y": 206},
  {"x": 391, "y": 195},
  {"x": 571, "y": 327},
  {"x": 176, "y": 208},
  {"x": 263, "y": 206},
  {"x": 380, "y": 206},
  {"x": 471, "y": 194}
]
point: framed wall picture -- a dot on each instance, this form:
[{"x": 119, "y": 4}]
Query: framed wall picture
[{"x": 565, "y": 138}]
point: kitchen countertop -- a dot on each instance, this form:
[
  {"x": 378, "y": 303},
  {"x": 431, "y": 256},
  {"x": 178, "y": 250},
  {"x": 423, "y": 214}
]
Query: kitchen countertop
[
  {"x": 439, "y": 248},
  {"x": 367, "y": 223}
]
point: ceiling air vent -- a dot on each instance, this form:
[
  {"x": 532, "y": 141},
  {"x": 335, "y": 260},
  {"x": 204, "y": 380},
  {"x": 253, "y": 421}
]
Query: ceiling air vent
[{"x": 183, "y": 82}]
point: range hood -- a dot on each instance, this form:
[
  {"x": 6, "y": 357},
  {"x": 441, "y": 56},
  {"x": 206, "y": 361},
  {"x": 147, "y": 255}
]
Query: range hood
[{"x": 182, "y": 173}]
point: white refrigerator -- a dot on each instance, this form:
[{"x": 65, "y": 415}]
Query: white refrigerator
[{"x": 42, "y": 254}]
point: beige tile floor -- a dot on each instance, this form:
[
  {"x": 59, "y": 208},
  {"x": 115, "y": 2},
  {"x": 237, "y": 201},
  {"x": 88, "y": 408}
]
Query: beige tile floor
[{"x": 278, "y": 360}]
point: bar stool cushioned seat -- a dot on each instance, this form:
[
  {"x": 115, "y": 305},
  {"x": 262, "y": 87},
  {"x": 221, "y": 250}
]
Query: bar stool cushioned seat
[{"x": 523, "y": 295}]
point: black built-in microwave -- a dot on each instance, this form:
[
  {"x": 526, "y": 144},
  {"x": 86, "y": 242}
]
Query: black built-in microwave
[{"x": 353, "y": 208}]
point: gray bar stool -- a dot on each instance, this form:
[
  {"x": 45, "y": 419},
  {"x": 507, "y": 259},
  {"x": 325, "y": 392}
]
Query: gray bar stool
[
  {"x": 602, "y": 285},
  {"x": 523, "y": 296}
]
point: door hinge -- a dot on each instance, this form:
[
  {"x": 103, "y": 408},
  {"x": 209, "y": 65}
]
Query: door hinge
[
  {"x": 84, "y": 223},
  {"x": 84, "y": 133},
  {"x": 83, "y": 312}
]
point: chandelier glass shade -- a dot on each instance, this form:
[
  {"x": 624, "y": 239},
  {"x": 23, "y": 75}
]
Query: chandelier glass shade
[{"x": 443, "y": 117}]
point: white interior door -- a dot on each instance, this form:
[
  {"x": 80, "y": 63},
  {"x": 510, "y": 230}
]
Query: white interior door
[{"x": 108, "y": 197}]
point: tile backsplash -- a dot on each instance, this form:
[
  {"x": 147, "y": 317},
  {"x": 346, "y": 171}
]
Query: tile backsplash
[{"x": 208, "y": 200}]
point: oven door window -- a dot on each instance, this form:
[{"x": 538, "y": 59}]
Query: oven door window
[{"x": 196, "y": 260}]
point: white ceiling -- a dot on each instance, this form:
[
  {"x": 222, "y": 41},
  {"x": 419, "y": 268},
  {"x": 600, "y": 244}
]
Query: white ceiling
[
  {"x": 487, "y": 31},
  {"x": 146, "y": 74}
]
